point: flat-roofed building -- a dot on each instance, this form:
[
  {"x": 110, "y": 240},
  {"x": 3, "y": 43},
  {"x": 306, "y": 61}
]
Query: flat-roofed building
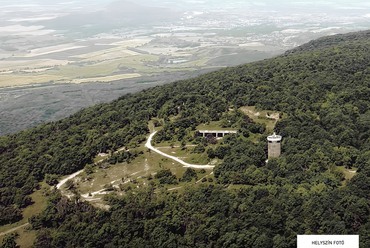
[{"x": 216, "y": 133}]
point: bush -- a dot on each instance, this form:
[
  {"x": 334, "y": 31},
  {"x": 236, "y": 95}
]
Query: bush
[
  {"x": 189, "y": 174},
  {"x": 165, "y": 176},
  {"x": 51, "y": 179},
  {"x": 199, "y": 149}
]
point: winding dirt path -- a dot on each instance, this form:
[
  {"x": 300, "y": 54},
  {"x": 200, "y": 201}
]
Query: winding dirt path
[
  {"x": 63, "y": 181},
  {"x": 200, "y": 180},
  {"x": 13, "y": 229},
  {"x": 59, "y": 185},
  {"x": 148, "y": 144}
]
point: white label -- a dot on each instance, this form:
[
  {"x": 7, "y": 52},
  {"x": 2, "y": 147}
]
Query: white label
[{"x": 328, "y": 241}]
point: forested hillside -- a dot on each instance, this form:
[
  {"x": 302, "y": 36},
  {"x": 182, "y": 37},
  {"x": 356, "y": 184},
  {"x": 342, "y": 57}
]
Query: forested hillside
[{"x": 323, "y": 89}]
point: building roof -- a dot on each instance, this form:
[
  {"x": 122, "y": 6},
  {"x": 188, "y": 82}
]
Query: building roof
[{"x": 217, "y": 131}]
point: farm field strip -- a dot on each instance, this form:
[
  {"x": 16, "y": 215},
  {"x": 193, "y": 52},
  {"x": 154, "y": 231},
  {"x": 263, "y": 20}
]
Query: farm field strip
[
  {"x": 28, "y": 64},
  {"x": 50, "y": 50},
  {"x": 107, "y": 78}
]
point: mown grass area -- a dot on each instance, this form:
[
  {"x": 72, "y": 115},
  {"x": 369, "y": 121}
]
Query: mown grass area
[
  {"x": 40, "y": 201},
  {"x": 186, "y": 154},
  {"x": 14, "y": 225},
  {"x": 26, "y": 237},
  {"x": 265, "y": 117},
  {"x": 169, "y": 143}
]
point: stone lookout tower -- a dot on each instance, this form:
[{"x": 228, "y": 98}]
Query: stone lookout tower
[{"x": 274, "y": 146}]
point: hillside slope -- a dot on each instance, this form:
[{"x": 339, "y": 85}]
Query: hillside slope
[
  {"x": 329, "y": 41},
  {"x": 322, "y": 87}
]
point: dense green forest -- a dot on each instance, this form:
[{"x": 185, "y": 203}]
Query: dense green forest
[{"x": 323, "y": 89}]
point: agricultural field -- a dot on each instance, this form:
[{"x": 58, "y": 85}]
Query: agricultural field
[{"x": 102, "y": 60}]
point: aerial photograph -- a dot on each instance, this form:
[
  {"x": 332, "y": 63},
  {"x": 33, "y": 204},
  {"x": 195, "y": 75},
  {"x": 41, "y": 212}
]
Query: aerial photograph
[{"x": 185, "y": 123}]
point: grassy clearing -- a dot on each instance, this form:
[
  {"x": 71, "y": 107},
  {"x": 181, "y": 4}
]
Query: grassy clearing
[
  {"x": 138, "y": 173},
  {"x": 145, "y": 165},
  {"x": 100, "y": 157},
  {"x": 115, "y": 174},
  {"x": 27, "y": 236},
  {"x": 348, "y": 173},
  {"x": 39, "y": 205},
  {"x": 186, "y": 154},
  {"x": 265, "y": 117},
  {"x": 141, "y": 171}
]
